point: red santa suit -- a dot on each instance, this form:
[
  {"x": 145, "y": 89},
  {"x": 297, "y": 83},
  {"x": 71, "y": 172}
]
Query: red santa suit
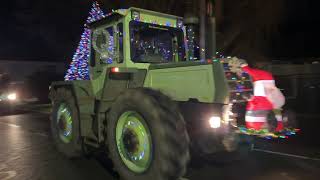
[{"x": 266, "y": 97}]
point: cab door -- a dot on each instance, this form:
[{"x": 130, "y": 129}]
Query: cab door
[
  {"x": 115, "y": 83},
  {"x": 103, "y": 53}
]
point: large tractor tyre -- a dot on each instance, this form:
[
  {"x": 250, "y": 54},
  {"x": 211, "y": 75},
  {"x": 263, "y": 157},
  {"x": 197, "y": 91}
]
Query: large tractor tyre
[
  {"x": 65, "y": 123},
  {"x": 147, "y": 137}
]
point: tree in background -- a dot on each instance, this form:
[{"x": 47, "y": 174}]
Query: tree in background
[{"x": 79, "y": 69}]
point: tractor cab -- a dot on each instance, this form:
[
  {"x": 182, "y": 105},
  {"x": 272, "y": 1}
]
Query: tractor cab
[{"x": 136, "y": 38}]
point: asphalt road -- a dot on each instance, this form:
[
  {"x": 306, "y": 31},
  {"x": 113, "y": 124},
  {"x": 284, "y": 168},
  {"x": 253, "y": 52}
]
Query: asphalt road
[{"x": 27, "y": 152}]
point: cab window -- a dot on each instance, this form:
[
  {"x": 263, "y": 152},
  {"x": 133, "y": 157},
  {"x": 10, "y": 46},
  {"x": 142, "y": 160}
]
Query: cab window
[{"x": 151, "y": 43}]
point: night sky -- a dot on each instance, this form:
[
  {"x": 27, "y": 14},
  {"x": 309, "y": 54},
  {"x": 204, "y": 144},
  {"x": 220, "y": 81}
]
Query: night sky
[
  {"x": 300, "y": 32},
  {"x": 50, "y": 30},
  {"x": 38, "y": 29}
]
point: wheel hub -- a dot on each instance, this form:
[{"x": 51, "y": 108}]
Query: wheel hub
[
  {"x": 134, "y": 141},
  {"x": 130, "y": 141},
  {"x": 64, "y": 123}
]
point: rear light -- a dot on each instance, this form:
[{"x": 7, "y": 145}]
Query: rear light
[{"x": 115, "y": 69}]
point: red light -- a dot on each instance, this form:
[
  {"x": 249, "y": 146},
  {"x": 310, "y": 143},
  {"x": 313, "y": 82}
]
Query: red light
[
  {"x": 209, "y": 61},
  {"x": 115, "y": 69}
]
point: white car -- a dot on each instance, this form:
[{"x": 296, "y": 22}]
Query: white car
[{"x": 9, "y": 96}]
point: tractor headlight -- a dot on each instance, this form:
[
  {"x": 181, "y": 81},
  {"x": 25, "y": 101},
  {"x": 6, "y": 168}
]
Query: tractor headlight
[
  {"x": 12, "y": 96},
  {"x": 215, "y": 122}
]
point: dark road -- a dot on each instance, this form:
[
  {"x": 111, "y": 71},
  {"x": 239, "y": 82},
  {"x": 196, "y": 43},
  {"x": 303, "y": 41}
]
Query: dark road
[{"x": 27, "y": 152}]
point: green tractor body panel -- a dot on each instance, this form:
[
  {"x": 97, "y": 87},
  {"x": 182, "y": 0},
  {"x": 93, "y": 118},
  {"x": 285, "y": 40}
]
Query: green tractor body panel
[
  {"x": 85, "y": 100},
  {"x": 195, "y": 82},
  {"x": 98, "y": 82},
  {"x": 82, "y": 91}
]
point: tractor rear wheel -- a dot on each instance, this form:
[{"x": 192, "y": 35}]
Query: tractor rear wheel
[
  {"x": 147, "y": 137},
  {"x": 65, "y": 123}
]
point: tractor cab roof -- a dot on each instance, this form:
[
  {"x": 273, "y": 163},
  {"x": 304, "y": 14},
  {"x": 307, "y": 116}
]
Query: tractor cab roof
[
  {"x": 144, "y": 15},
  {"x": 114, "y": 15}
]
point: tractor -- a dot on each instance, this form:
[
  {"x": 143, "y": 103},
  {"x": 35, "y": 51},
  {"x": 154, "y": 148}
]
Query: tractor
[{"x": 148, "y": 103}]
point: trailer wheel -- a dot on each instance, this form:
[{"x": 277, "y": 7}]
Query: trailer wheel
[
  {"x": 244, "y": 148},
  {"x": 272, "y": 121},
  {"x": 289, "y": 119},
  {"x": 65, "y": 123},
  {"x": 147, "y": 137},
  {"x": 235, "y": 150}
]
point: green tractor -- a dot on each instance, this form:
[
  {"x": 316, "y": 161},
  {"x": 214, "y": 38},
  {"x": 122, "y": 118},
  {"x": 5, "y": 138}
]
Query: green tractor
[{"x": 146, "y": 104}]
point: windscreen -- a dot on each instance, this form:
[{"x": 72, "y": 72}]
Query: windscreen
[{"x": 152, "y": 43}]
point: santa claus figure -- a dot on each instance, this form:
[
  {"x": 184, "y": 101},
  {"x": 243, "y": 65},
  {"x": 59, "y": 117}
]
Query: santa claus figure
[{"x": 267, "y": 99}]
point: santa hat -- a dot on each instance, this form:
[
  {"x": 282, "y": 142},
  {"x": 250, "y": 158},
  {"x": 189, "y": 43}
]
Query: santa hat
[
  {"x": 259, "y": 105},
  {"x": 257, "y": 74}
]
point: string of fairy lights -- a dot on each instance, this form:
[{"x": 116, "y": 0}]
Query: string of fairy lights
[
  {"x": 79, "y": 69},
  {"x": 264, "y": 133}
]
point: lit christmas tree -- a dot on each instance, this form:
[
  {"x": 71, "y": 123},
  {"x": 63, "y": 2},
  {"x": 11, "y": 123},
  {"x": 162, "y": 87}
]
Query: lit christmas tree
[{"x": 78, "y": 69}]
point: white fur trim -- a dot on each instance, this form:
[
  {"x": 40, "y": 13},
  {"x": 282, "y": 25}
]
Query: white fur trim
[
  {"x": 266, "y": 81},
  {"x": 259, "y": 87},
  {"x": 255, "y": 119}
]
